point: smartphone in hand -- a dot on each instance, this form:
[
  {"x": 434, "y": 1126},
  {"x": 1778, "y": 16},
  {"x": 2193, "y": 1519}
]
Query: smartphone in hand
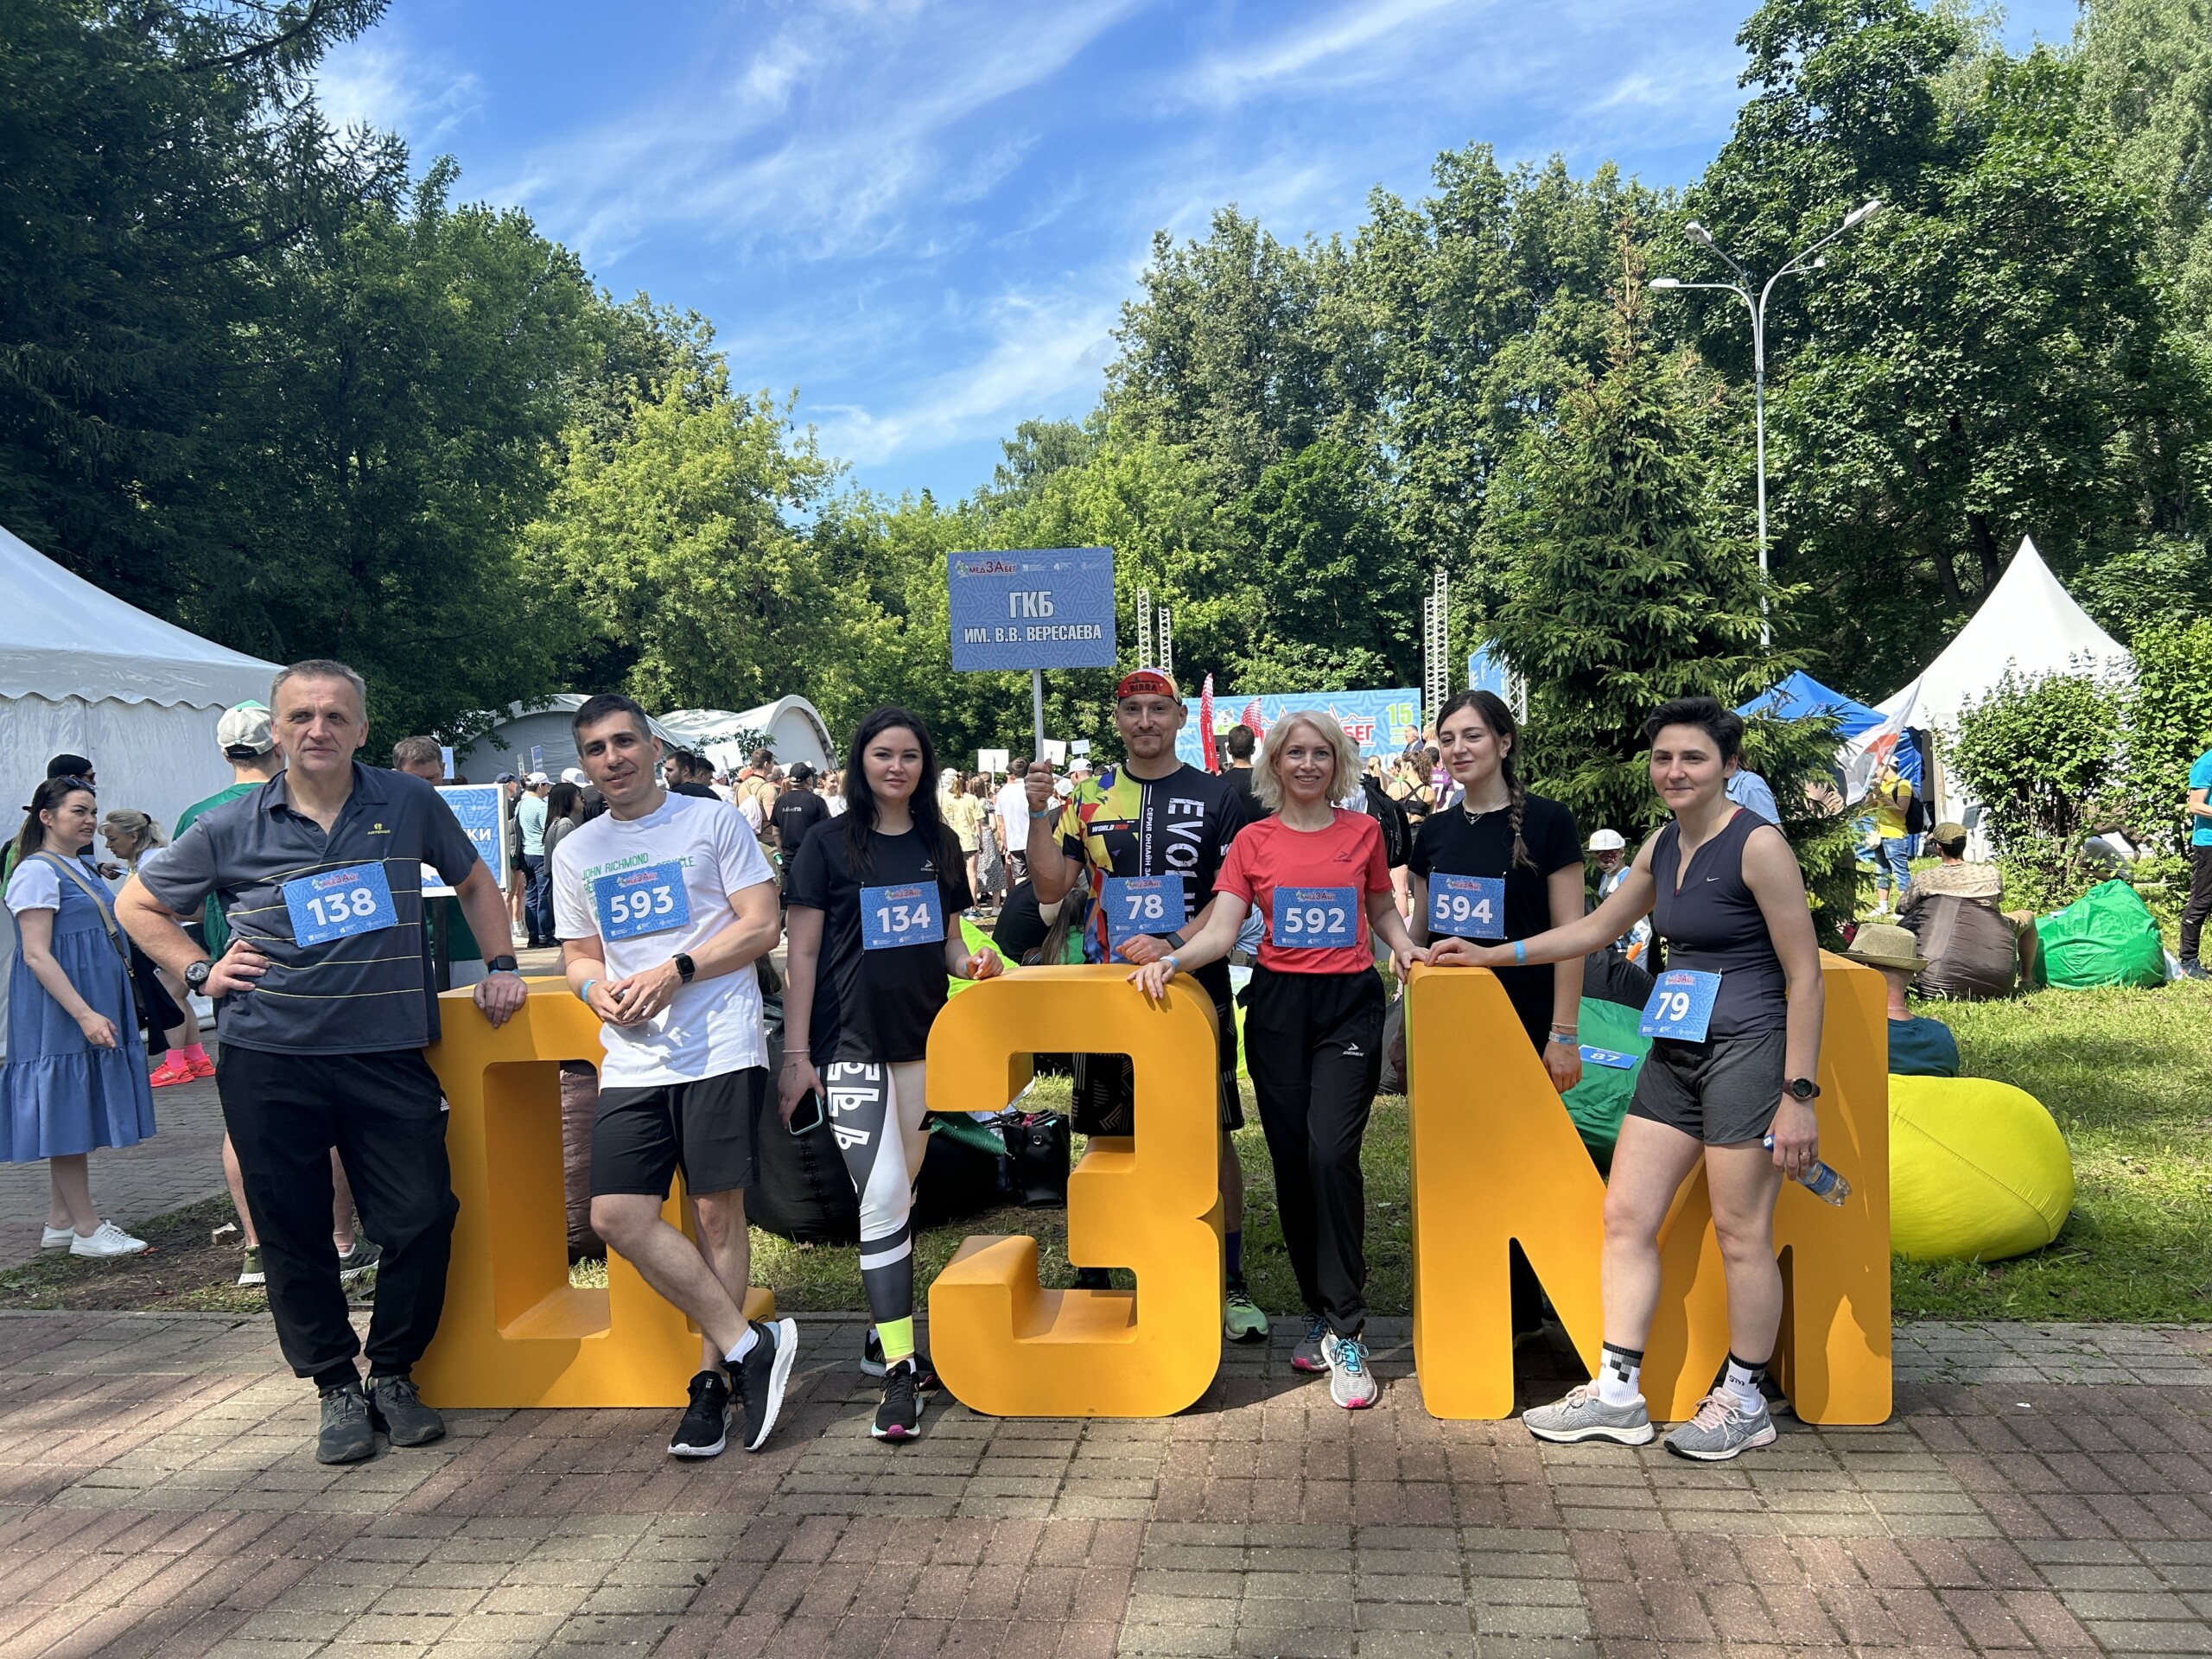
[{"x": 806, "y": 1116}]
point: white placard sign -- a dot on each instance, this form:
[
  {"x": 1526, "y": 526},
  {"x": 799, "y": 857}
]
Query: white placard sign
[
  {"x": 991, "y": 760},
  {"x": 1056, "y": 751}
]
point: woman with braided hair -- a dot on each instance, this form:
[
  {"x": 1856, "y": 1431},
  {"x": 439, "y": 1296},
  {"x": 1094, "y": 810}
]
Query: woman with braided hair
[{"x": 1501, "y": 864}]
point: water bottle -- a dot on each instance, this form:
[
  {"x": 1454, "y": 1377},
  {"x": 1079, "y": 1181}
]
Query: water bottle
[{"x": 1827, "y": 1185}]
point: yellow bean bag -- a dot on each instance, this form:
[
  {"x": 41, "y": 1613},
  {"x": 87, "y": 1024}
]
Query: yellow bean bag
[{"x": 1978, "y": 1170}]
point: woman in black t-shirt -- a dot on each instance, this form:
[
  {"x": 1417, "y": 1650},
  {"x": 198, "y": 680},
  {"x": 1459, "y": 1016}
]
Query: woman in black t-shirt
[
  {"x": 1498, "y": 831},
  {"x": 876, "y": 900}
]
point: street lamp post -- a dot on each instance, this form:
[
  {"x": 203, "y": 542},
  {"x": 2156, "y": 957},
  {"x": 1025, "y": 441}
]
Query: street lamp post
[{"x": 1742, "y": 290}]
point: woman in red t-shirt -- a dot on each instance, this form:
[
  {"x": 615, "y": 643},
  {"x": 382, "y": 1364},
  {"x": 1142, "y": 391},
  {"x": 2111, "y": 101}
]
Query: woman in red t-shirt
[{"x": 1313, "y": 1021}]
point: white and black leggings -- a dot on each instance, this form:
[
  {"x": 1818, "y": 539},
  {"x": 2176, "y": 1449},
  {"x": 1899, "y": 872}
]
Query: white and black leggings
[
  {"x": 1313, "y": 1043},
  {"x": 875, "y": 1111}
]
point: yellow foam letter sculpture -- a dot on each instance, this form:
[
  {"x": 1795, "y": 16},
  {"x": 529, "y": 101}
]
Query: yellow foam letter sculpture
[
  {"x": 515, "y": 1333},
  {"x": 1150, "y": 1203},
  {"x": 1496, "y": 1159}
]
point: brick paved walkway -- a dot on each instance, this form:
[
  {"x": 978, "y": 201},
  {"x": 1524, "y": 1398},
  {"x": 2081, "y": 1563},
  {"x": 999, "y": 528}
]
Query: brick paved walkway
[{"x": 2043, "y": 1491}]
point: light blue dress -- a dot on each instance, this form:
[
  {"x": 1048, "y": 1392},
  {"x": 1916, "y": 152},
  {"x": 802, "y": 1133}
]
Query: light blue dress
[{"x": 61, "y": 1094}]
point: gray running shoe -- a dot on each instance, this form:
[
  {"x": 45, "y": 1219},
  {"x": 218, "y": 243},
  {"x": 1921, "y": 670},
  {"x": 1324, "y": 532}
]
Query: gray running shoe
[
  {"x": 249, "y": 1270},
  {"x": 1721, "y": 1430},
  {"x": 1583, "y": 1416},
  {"x": 397, "y": 1409},
  {"x": 346, "y": 1434},
  {"x": 1351, "y": 1385},
  {"x": 1307, "y": 1357}
]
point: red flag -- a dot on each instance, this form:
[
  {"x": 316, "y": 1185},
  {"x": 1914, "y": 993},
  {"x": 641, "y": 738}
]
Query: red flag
[{"x": 1205, "y": 725}]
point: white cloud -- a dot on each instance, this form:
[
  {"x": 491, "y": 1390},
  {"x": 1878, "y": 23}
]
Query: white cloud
[
  {"x": 375, "y": 81},
  {"x": 815, "y": 145},
  {"x": 1329, "y": 51},
  {"x": 1045, "y": 353}
]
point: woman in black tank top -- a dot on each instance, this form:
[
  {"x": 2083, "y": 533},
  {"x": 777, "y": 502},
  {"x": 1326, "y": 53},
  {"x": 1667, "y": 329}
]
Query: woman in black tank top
[{"x": 1736, "y": 1026}]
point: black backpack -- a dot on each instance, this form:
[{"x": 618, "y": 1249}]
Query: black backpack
[{"x": 1397, "y": 830}]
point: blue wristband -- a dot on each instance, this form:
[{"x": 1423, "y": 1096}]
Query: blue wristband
[
  {"x": 584, "y": 995},
  {"x": 1520, "y": 950}
]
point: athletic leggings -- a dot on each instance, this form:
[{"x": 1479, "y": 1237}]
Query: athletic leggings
[
  {"x": 1313, "y": 1043},
  {"x": 875, "y": 1111}
]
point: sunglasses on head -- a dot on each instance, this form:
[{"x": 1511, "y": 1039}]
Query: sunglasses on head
[{"x": 74, "y": 783}]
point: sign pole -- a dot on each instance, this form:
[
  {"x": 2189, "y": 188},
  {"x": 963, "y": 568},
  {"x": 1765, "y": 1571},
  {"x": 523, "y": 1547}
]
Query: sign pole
[{"x": 1037, "y": 706}]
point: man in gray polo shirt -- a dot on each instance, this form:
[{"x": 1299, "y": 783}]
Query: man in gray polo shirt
[{"x": 325, "y": 1009}]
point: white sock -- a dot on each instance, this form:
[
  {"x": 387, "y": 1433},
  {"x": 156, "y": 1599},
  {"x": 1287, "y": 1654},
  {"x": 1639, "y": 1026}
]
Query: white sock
[
  {"x": 1743, "y": 1380},
  {"x": 1619, "y": 1370},
  {"x": 743, "y": 1347}
]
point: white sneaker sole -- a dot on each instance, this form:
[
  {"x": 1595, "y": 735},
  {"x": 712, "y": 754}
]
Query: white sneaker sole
[
  {"x": 247, "y": 1279},
  {"x": 779, "y": 1372},
  {"x": 138, "y": 1247},
  {"x": 714, "y": 1451},
  {"x": 875, "y": 1433},
  {"x": 1765, "y": 1437},
  {"x": 1640, "y": 1435},
  {"x": 61, "y": 1244}
]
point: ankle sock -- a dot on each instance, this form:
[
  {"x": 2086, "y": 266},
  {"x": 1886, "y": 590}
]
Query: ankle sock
[
  {"x": 1618, "y": 1371},
  {"x": 736, "y": 1356},
  {"x": 195, "y": 1053},
  {"x": 897, "y": 1336},
  {"x": 1742, "y": 1380},
  {"x": 1233, "y": 1251}
]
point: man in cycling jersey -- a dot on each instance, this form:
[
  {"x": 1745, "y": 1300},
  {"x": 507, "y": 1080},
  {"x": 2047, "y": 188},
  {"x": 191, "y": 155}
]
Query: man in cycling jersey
[{"x": 1146, "y": 838}]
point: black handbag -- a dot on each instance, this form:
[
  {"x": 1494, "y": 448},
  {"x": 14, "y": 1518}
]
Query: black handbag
[{"x": 1036, "y": 1148}]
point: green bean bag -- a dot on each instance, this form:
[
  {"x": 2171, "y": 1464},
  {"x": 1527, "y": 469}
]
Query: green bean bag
[{"x": 2107, "y": 937}]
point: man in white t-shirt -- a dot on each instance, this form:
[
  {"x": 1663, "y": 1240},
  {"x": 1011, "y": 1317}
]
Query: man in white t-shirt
[
  {"x": 1013, "y": 809},
  {"x": 663, "y": 905}
]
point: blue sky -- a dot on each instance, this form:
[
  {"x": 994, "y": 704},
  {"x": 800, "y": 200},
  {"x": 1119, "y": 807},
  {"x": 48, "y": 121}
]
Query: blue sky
[{"x": 925, "y": 215}]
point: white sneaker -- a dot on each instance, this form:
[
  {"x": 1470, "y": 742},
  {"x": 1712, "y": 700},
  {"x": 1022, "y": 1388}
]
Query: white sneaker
[
  {"x": 106, "y": 1239},
  {"x": 1351, "y": 1385},
  {"x": 56, "y": 1238}
]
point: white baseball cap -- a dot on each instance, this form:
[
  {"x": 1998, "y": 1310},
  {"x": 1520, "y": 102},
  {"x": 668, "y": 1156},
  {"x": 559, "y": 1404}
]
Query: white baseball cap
[
  {"x": 538, "y": 777},
  {"x": 574, "y": 775},
  {"x": 1607, "y": 841},
  {"x": 245, "y": 727}
]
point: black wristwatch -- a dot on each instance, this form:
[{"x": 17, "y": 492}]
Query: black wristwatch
[
  {"x": 506, "y": 964},
  {"x": 684, "y": 967},
  {"x": 195, "y": 976},
  {"x": 1802, "y": 1089},
  {"x": 1175, "y": 941}
]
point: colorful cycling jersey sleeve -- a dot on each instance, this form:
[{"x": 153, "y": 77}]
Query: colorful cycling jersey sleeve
[{"x": 1181, "y": 824}]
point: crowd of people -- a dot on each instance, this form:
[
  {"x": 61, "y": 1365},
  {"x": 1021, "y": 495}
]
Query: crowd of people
[{"x": 294, "y": 899}]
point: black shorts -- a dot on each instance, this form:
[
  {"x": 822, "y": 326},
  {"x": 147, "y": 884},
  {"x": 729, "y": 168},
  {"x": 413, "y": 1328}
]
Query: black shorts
[
  {"x": 1723, "y": 1092},
  {"x": 708, "y": 1129},
  {"x": 1105, "y": 1084}
]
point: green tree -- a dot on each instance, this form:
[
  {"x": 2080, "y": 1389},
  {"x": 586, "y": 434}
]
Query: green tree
[
  {"x": 675, "y": 539},
  {"x": 161, "y": 158},
  {"x": 1624, "y": 587},
  {"x": 2040, "y": 752},
  {"x": 365, "y": 489},
  {"x": 2167, "y": 724},
  {"x": 1988, "y": 357}
]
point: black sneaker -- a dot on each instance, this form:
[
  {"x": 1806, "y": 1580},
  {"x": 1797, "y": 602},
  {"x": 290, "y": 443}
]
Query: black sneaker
[
  {"x": 757, "y": 1382},
  {"x": 702, "y": 1434},
  {"x": 899, "y": 1416},
  {"x": 925, "y": 1380},
  {"x": 365, "y": 1254},
  {"x": 346, "y": 1434},
  {"x": 398, "y": 1411}
]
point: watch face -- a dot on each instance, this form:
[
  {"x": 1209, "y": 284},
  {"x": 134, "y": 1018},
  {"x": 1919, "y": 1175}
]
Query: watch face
[{"x": 1803, "y": 1088}]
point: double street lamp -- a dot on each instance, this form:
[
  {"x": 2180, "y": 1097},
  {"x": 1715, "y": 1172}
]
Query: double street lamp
[{"x": 1809, "y": 259}]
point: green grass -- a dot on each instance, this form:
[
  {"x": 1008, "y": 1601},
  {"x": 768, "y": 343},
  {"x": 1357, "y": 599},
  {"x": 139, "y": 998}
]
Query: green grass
[{"x": 2128, "y": 1076}]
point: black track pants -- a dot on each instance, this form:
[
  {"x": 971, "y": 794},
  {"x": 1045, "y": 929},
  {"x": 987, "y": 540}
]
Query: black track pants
[
  {"x": 1313, "y": 1043},
  {"x": 2200, "y": 901},
  {"x": 385, "y": 1116}
]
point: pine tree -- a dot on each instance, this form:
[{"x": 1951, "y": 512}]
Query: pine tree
[{"x": 1628, "y": 582}]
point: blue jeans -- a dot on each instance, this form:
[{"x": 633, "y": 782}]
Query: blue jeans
[
  {"x": 1895, "y": 859},
  {"x": 536, "y": 898}
]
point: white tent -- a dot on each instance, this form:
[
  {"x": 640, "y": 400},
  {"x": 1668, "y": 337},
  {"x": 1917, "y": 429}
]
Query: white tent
[
  {"x": 81, "y": 672},
  {"x": 790, "y": 725},
  {"x": 544, "y": 728},
  {"x": 2028, "y": 624}
]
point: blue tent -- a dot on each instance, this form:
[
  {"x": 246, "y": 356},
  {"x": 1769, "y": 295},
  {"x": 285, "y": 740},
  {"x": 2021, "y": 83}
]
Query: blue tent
[{"x": 1802, "y": 697}]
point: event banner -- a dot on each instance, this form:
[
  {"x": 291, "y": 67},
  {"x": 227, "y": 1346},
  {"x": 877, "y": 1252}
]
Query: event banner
[
  {"x": 1032, "y": 608},
  {"x": 482, "y": 810},
  {"x": 1381, "y": 722}
]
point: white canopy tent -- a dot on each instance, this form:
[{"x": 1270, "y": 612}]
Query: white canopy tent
[
  {"x": 2030, "y": 625},
  {"x": 81, "y": 672},
  {"x": 791, "y": 727}
]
